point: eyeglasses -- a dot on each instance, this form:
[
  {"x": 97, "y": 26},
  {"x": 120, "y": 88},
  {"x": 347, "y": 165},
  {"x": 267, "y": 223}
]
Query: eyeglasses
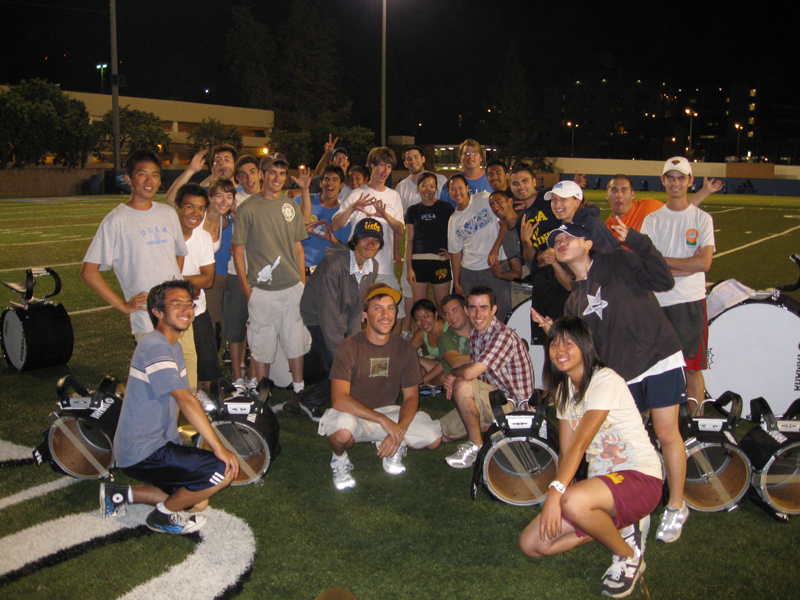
[{"x": 177, "y": 305}]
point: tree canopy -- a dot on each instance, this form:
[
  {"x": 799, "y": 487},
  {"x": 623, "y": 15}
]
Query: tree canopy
[
  {"x": 138, "y": 129},
  {"x": 37, "y": 119},
  {"x": 211, "y": 133}
]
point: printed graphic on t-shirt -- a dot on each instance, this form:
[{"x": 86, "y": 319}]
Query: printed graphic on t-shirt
[
  {"x": 379, "y": 367},
  {"x": 288, "y": 211},
  {"x": 691, "y": 237},
  {"x": 469, "y": 228}
]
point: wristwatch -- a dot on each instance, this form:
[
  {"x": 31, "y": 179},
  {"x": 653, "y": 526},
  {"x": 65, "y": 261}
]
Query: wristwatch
[{"x": 560, "y": 487}]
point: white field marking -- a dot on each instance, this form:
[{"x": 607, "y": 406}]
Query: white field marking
[
  {"x": 769, "y": 237},
  {"x": 40, "y": 227},
  {"x": 719, "y": 212},
  {"x": 225, "y": 552},
  {"x": 791, "y": 216},
  {"x": 9, "y": 451},
  {"x": 70, "y": 264},
  {"x": 36, "y": 491},
  {"x": 73, "y": 238}
]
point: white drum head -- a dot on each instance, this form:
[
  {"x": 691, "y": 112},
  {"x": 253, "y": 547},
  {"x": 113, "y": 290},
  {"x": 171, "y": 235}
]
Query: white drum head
[
  {"x": 754, "y": 351},
  {"x": 14, "y": 339}
]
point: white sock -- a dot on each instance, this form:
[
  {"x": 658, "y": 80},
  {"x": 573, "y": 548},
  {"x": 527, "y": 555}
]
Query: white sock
[
  {"x": 298, "y": 387},
  {"x": 130, "y": 495},
  {"x": 338, "y": 458},
  {"x": 163, "y": 509}
]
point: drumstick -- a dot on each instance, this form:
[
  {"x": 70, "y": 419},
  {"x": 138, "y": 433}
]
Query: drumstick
[
  {"x": 708, "y": 472},
  {"x": 521, "y": 471},
  {"x": 81, "y": 447}
]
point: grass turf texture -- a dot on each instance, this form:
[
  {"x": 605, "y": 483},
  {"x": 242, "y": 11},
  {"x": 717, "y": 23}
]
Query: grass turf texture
[{"x": 418, "y": 535}]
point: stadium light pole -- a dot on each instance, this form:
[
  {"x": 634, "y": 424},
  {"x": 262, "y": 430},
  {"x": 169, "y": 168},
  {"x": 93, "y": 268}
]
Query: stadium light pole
[
  {"x": 114, "y": 85},
  {"x": 572, "y": 146},
  {"x": 738, "y": 132},
  {"x": 692, "y": 115},
  {"x": 102, "y": 68},
  {"x": 383, "y": 77}
]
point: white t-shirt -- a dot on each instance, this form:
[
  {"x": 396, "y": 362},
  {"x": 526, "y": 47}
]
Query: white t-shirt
[
  {"x": 393, "y": 206},
  {"x": 409, "y": 194},
  {"x": 678, "y": 234},
  {"x": 201, "y": 253},
  {"x": 474, "y": 230},
  {"x": 621, "y": 444}
]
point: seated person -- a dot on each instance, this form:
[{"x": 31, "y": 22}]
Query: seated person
[
  {"x": 597, "y": 417},
  {"x": 370, "y": 370},
  {"x": 430, "y": 329},
  {"x": 147, "y": 446}
]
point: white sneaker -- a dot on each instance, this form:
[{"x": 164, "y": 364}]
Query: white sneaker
[
  {"x": 671, "y": 525},
  {"x": 393, "y": 465},
  {"x": 341, "y": 467},
  {"x": 465, "y": 457},
  {"x": 241, "y": 385}
]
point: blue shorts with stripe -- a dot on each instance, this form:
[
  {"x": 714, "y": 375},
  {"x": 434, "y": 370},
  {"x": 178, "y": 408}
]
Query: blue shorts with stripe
[{"x": 172, "y": 467}]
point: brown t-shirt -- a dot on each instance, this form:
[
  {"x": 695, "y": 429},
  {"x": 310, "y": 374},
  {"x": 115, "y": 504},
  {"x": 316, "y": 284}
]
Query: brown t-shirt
[{"x": 377, "y": 374}]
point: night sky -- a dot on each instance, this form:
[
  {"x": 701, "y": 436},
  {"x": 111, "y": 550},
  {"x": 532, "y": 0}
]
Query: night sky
[{"x": 444, "y": 56}]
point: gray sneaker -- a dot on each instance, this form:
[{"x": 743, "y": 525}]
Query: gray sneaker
[
  {"x": 341, "y": 467},
  {"x": 672, "y": 522},
  {"x": 622, "y": 575},
  {"x": 179, "y": 523},
  {"x": 636, "y": 535},
  {"x": 465, "y": 457}
]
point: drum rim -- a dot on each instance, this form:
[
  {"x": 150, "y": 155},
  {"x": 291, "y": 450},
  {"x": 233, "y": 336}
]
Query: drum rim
[
  {"x": 699, "y": 445},
  {"x": 783, "y": 302},
  {"x": 12, "y": 310},
  {"x": 758, "y": 479},
  {"x": 242, "y": 420},
  {"x": 61, "y": 466},
  {"x": 496, "y": 448}
]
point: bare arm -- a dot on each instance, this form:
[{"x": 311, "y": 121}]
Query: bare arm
[
  {"x": 195, "y": 166},
  {"x": 710, "y": 186},
  {"x": 455, "y": 263},
  {"x": 330, "y": 146},
  {"x": 454, "y": 359},
  {"x": 469, "y": 371},
  {"x": 300, "y": 253},
  {"x": 514, "y": 269},
  {"x": 527, "y": 231},
  {"x": 699, "y": 263},
  {"x": 204, "y": 280},
  {"x": 90, "y": 273},
  {"x": 494, "y": 253},
  {"x": 237, "y": 250},
  {"x": 410, "y": 275}
]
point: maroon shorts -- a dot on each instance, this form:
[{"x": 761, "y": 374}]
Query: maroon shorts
[{"x": 636, "y": 495}]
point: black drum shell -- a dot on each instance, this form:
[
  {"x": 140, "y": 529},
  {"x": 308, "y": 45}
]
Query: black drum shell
[{"x": 46, "y": 338}]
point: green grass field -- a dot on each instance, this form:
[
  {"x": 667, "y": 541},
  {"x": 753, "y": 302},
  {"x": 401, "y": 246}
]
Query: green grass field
[{"x": 417, "y": 536}]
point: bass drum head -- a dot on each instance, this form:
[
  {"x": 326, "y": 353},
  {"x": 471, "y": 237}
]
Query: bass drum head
[
  {"x": 754, "y": 350},
  {"x": 519, "y": 319},
  {"x": 69, "y": 458},
  {"x": 519, "y": 470},
  {"x": 778, "y": 484},
  {"x": 717, "y": 477},
  {"x": 248, "y": 443}
]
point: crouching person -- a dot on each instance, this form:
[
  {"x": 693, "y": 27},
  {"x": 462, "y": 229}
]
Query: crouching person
[
  {"x": 597, "y": 416},
  {"x": 370, "y": 371},
  {"x": 179, "y": 479}
]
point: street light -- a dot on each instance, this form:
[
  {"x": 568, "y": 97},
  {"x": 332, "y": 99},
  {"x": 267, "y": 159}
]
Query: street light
[
  {"x": 738, "y": 132},
  {"x": 692, "y": 115},
  {"x": 572, "y": 147},
  {"x": 102, "y": 68}
]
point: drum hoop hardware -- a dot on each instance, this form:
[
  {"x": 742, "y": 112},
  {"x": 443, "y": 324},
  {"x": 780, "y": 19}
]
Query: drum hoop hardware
[
  {"x": 242, "y": 463},
  {"x": 81, "y": 447}
]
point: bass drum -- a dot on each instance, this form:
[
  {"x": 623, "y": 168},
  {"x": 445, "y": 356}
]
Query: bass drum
[
  {"x": 519, "y": 319},
  {"x": 36, "y": 335},
  {"x": 252, "y": 434},
  {"x": 754, "y": 350}
]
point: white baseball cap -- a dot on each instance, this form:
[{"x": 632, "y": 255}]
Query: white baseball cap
[
  {"x": 565, "y": 189},
  {"x": 679, "y": 164}
]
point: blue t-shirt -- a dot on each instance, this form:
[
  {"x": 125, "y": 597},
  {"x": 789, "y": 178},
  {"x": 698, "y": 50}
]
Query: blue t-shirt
[
  {"x": 481, "y": 184},
  {"x": 223, "y": 255},
  {"x": 150, "y": 414},
  {"x": 315, "y": 245}
]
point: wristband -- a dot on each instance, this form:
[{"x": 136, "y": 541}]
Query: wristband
[{"x": 560, "y": 487}]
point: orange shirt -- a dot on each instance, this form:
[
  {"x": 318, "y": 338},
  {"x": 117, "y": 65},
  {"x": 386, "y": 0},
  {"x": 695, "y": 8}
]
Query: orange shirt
[{"x": 635, "y": 218}]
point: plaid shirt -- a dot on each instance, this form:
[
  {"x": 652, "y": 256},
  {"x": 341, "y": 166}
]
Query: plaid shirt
[{"x": 507, "y": 361}]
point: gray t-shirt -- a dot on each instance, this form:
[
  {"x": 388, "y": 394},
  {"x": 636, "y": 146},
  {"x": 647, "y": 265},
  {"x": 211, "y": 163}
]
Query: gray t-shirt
[
  {"x": 141, "y": 246},
  {"x": 149, "y": 413},
  {"x": 268, "y": 229}
]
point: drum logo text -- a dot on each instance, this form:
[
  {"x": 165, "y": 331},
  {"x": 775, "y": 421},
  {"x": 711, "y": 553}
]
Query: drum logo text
[
  {"x": 797, "y": 375},
  {"x": 107, "y": 402}
]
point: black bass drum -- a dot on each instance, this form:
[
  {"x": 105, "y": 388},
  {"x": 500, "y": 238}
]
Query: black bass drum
[
  {"x": 754, "y": 350},
  {"x": 519, "y": 319},
  {"x": 36, "y": 335}
]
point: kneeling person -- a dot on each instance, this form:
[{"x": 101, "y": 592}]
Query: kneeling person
[
  {"x": 147, "y": 445},
  {"x": 370, "y": 370}
]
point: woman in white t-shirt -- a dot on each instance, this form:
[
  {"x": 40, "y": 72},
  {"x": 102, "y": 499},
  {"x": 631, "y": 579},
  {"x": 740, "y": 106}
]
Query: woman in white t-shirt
[{"x": 597, "y": 417}]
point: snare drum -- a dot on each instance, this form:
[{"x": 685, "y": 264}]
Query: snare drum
[
  {"x": 251, "y": 431},
  {"x": 80, "y": 440},
  {"x": 38, "y": 334},
  {"x": 754, "y": 350},
  {"x": 519, "y": 319}
]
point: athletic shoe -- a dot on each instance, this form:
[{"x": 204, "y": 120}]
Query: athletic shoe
[
  {"x": 425, "y": 390},
  {"x": 226, "y": 356},
  {"x": 205, "y": 401},
  {"x": 465, "y": 457},
  {"x": 179, "y": 523},
  {"x": 252, "y": 385},
  {"x": 241, "y": 385},
  {"x": 341, "y": 467},
  {"x": 314, "y": 413},
  {"x": 437, "y": 390},
  {"x": 672, "y": 522},
  {"x": 292, "y": 406},
  {"x": 622, "y": 575},
  {"x": 113, "y": 500},
  {"x": 393, "y": 465},
  {"x": 636, "y": 535}
]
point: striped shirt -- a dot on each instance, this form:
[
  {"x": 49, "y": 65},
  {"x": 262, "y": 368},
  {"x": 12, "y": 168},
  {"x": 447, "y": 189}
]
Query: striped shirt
[{"x": 507, "y": 361}]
